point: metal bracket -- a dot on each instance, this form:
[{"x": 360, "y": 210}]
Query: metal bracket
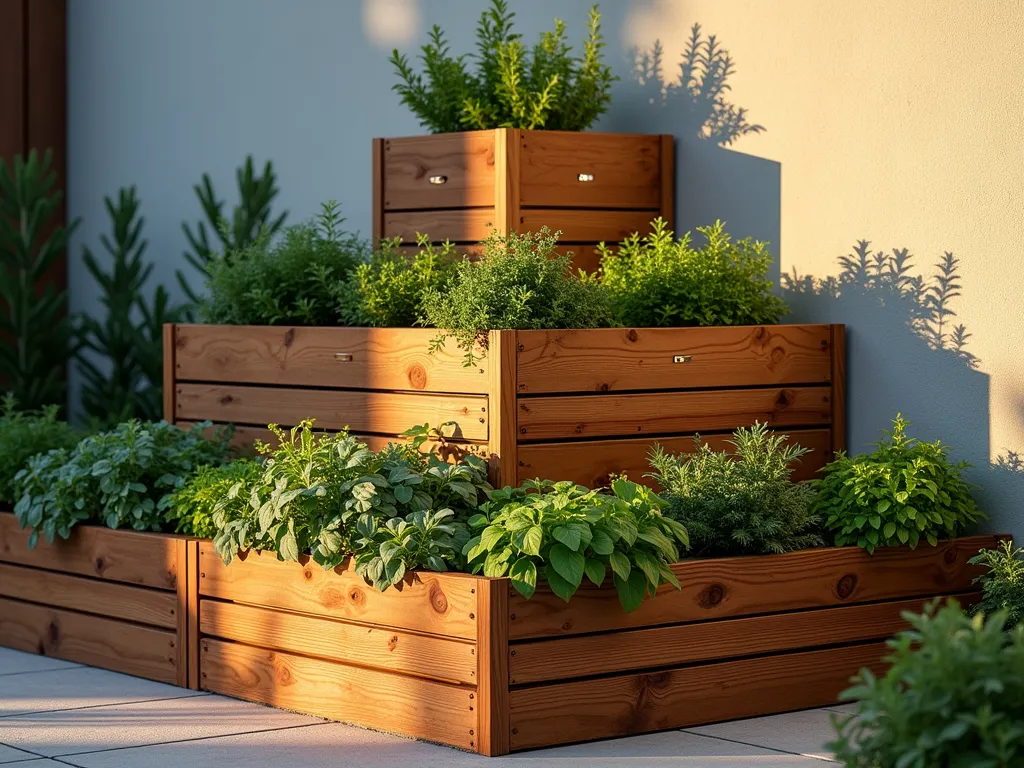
[{"x": 682, "y": 358}]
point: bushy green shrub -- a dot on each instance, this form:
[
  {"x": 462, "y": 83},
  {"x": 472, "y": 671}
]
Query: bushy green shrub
[
  {"x": 190, "y": 508},
  {"x": 23, "y": 434},
  {"x": 292, "y": 279},
  {"x": 900, "y": 493},
  {"x": 1003, "y": 584},
  {"x": 388, "y": 290},
  {"x": 117, "y": 478},
  {"x": 655, "y": 280},
  {"x": 565, "y": 532},
  {"x": 513, "y": 87},
  {"x": 953, "y": 697},
  {"x": 741, "y": 502},
  {"x": 331, "y": 496},
  {"x": 519, "y": 283}
]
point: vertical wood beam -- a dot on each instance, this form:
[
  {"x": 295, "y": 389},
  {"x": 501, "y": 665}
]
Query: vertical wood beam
[
  {"x": 378, "y": 190},
  {"x": 668, "y": 180},
  {"x": 507, "y": 154},
  {"x": 170, "y": 340},
  {"x": 192, "y": 610},
  {"x": 492, "y": 734},
  {"x": 502, "y": 357},
  {"x": 837, "y": 349},
  {"x": 13, "y": 52},
  {"x": 182, "y": 646}
]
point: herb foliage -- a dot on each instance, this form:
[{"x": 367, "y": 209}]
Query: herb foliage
[
  {"x": 190, "y": 508},
  {"x": 23, "y": 434},
  {"x": 1003, "y": 584}
]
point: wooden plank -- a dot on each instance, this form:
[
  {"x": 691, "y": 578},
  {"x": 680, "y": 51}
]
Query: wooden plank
[
  {"x": 838, "y": 347},
  {"x": 593, "y": 462},
  {"x": 622, "y": 359},
  {"x": 412, "y": 706},
  {"x": 359, "y": 358},
  {"x": 566, "y": 658},
  {"x": 459, "y": 225},
  {"x": 99, "y": 642},
  {"x": 388, "y": 413},
  {"x": 167, "y": 382},
  {"x": 192, "y": 606},
  {"x": 719, "y": 588},
  {"x": 366, "y": 645},
  {"x": 465, "y": 161},
  {"x": 502, "y": 401},
  {"x": 145, "y": 559},
  {"x": 668, "y": 180},
  {"x": 437, "y": 603},
  {"x": 378, "y": 171},
  {"x": 617, "y": 170},
  {"x": 665, "y": 413},
  {"x": 583, "y": 257},
  {"x": 506, "y": 179},
  {"x": 586, "y": 226},
  {"x": 492, "y": 690},
  {"x": 627, "y": 704},
  {"x": 183, "y": 639},
  {"x": 103, "y": 598}
]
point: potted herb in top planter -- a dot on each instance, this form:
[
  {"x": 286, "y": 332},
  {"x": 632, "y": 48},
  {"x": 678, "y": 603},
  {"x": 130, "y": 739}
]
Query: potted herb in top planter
[{"x": 508, "y": 149}]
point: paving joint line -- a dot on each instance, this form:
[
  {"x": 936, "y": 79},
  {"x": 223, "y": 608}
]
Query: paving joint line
[
  {"x": 43, "y": 671},
  {"x": 760, "y": 746},
  {"x": 193, "y": 695}
]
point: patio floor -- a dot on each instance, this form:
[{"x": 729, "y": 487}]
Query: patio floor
[{"x": 53, "y": 713}]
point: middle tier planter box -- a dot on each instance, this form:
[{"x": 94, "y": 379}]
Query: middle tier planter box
[
  {"x": 577, "y": 405},
  {"x": 465, "y": 661}
]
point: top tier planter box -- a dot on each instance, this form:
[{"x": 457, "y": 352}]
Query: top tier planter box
[
  {"x": 592, "y": 187},
  {"x": 577, "y": 405}
]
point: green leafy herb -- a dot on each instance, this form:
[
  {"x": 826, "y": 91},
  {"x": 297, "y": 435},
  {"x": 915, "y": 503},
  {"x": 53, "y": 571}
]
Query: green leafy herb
[
  {"x": 191, "y": 506},
  {"x": 117, "y": 478},
  {"x": 1003, "y": 584},
  {"x": 23, "y": 434},
  {"x": 561, "y": 532},
  {"x": 513, "y": 87},
  {"x": 655, "y": 280},
  {"x": 953, "y": 696},
  {"x": 740, "y": 502},
  {"x": 519, "y": 283},
  {"x": 900, "y": 493}
]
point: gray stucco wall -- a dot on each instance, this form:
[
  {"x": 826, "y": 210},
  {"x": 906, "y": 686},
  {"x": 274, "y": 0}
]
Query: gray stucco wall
[{"x": 160, "y": 92}]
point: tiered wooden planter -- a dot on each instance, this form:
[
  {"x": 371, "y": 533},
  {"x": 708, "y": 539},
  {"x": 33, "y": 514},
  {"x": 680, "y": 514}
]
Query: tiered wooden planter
[
  {"x": 564, "y": 405},
  {"x": 110, "y": 599},
  {"x": 464, "y": 661},
  {"x": 592, "y": 187}
]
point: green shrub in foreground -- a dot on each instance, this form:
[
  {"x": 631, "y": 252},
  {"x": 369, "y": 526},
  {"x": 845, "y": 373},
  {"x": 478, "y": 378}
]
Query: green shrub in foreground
[
  {"x": 1003, "y": 584},
  {"x": 953, "y": 698},
  {"x": 23, "y": 434}
]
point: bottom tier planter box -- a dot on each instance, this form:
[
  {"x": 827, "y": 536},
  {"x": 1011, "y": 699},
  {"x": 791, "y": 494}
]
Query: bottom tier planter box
[
  {"x": 464, "y": 661},
  {"x": 110, "y": 599}
]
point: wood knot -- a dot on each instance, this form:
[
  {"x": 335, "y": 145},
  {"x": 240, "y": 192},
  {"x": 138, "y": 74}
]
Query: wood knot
[
  {"x": 778, "y": 354},
  {"x": 846, "y": 585},
  {"x": 284, "y": 675},
  {"x": 711, "y": 596},
  {"x": 631, "y": 335},
  {"x": 53, "y": 635},
  {"x": 227, "y": 400},
  {"x": 578, "y": 429},
  {"x": 417, "y": 376},
  {"x": 180, "y": 342},
  {"x": 949, "y": 556},
  {"x": 603, "y": 388},
  {"x": 289, "y": 337},
  {"x": 307, "y": 573},
  {"x": 357, "y": 597},
  {"x": 438, "y": 599},
  {"x": 567, "y": 626},
  {"x": 100, "y": 565},
  {"x": 759, "y": 333},
  {"x": 784, "y": 400},
  {"x": 393, "y": 643}
]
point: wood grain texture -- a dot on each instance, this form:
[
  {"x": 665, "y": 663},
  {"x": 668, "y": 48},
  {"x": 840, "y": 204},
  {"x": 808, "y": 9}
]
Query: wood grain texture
[
  {"x": 839, "y": 387},
  {"x": 145, "y": 559},
  {"x": 502, "y": 401},
  {"x": 506, "y": 179},
  {"x": 623, "y": 359},
  {"x": 412, "y": 706},
  {"x": 183, "y": 640},
  {"x": 492, "y": 690},
  {"x": 626, "y": 170},
  {"x": 667, "y": 209},
  {"x": 466, "y": 161},
  {"x": 388, "y": 413},
  {"x": 627, "y": 704},
  {"x": 168, "y": 372},
  {"x": 103, "y": 598},
  {"x": 566, "y": 658},
  {"x": 665, "y": 413},
  {"x": 459, "y": 225},
  {"x": 365, "y": 645},
  {"x": 586, "y": 226},
  {"x": 745, "y": 586},
  {"x": 593, "y": 462},
  {"x": 100, "y": 642},
  {"x": 192, "y": 607},
  {"x": 379, "y": 358},
  {"x": 442, "y": 604}
]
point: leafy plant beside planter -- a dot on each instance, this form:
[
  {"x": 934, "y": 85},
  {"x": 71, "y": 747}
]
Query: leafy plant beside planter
[
  {"x": 513, "y": 87},
  {"x": 1003, "y": 584},
  {"x": 23, "y": 434},
  {"x": 903, "y": 492}
]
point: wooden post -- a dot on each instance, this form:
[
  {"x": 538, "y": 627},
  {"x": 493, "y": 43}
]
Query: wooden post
[
  {"x": 378, "y": 190},
  {"x": 501, "y": 407},
  {"x": 668, "y": 179},
  {"x": 492, "y": 736},
  {"x": 182, "y": 648},
  {"x": 192, "y": 612},
  {"x": 838, "y": 351},
  {"x": 507, "y": 142},
  {"x": 170, "y": 339}
]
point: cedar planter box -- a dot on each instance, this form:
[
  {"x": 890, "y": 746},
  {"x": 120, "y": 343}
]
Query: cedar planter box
[
  {"x": 464, "y": 661},
  {"x": 106, "y": 598},
  {"x": 564, "y": 405},
  {"x": 593, "y": 187}
]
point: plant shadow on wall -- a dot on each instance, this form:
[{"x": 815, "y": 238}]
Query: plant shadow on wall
[
  {"x": 692, "y": 102},
  {"x": 909, "y": 352}
]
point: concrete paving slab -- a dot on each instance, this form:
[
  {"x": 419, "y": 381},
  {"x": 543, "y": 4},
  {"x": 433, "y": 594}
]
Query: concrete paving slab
[
  {"x": 42, "y": 762},
  {"x": 343, "y": 746},
  {"x": 12, "y": 755},
  {"x": 77, "y": 688},
  {"x": 802, "y": 733},
  {"x": 68, "y": 732},
  {"x": 18, "y": 662}
]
